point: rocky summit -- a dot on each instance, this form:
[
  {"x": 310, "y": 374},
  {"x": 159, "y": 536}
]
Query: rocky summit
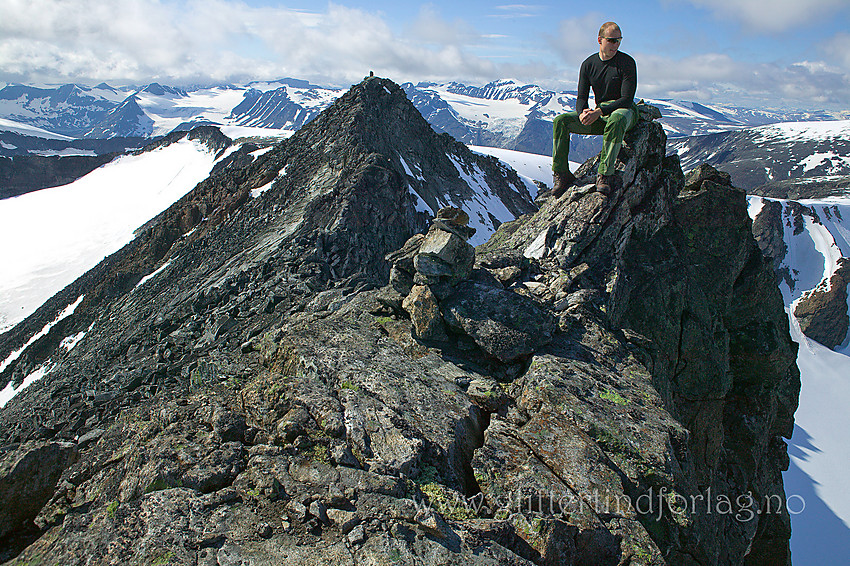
[{"x": 334, "y": 373}]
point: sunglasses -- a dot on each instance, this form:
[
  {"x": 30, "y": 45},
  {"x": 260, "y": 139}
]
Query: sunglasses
[{"x": 614, "y": 39}]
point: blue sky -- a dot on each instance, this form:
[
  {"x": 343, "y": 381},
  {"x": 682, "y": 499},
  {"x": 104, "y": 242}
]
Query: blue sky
[{"x": 757, "y": 53}]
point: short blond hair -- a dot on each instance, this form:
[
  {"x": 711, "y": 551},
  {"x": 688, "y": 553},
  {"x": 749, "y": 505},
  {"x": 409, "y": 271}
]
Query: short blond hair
[{"x": 608, "y": 27}]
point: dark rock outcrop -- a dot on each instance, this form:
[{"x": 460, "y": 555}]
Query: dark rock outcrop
[
  {"x": 822, "y": 313},
  {"x": 682, "y": 271},
  {"x": 813, "y": 188},
  {"x": 770, "y": 234},
  {"x": 701, "y": 290},
  {"x": 27, "y": 173},
  {"x": 30, "y": 163},
  {"x": 576, "y": 391},
  {"x": 28, "y": 477}
]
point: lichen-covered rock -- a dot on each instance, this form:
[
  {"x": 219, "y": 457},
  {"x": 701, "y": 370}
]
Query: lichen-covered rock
[
  {"x": 504, "y": 324},
  {"x": 425, "y": 315},
  {"x": 724, "y": 362},
  {"x": 585, "y": 226}
]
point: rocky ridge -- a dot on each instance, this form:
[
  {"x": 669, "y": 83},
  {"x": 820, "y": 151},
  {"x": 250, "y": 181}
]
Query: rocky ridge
[{"x": 270, "y": 398}]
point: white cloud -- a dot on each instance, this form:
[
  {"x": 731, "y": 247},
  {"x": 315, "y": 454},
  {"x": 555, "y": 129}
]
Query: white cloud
[
  {"x": 509, "y": 11},
  {"x": 138, "y": 40},
  {"x": 773, "y": 16},
  {"x": 430, "y": 27},
  {"x": 721, "y": 78}
]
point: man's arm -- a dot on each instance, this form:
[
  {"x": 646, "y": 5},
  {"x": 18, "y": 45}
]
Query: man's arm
[
  {"x": 583, "y": 88},
  {"x": 628, "y": 86}
]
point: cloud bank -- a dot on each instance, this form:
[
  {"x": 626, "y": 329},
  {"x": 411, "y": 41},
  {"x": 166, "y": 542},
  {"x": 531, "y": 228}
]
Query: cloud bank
[
  {"x": 139, "y": 40},
  {"x": 207, "y": 41}
]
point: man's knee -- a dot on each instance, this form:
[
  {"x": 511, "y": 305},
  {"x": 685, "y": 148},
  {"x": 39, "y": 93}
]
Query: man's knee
[
  {"x": 617, "y": 123},
  {"x": 617, "y": 118},
  {"x": 562, "y": 122}
]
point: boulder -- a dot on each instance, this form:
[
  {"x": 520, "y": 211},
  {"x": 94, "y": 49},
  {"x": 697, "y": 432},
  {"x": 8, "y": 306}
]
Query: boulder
[
  {"x": 445, "y": 254},
  {"x": 425, "y": 315},
  {"x": 822, "y": 313},
  {"x": 28, "y": 478},
  {"x": 506, "y": 325}
]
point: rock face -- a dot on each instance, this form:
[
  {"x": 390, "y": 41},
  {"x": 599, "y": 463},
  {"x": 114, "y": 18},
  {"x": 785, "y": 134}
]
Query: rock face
[
  {"x": 822, "y": 313},
  {"x": 317, "y": 378},
  {"x": 769, "y": 233},
  {"x": 725, "y": 362}
]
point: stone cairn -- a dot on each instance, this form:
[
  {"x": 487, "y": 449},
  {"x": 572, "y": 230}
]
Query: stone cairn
[{"x": 428, "y": 267}]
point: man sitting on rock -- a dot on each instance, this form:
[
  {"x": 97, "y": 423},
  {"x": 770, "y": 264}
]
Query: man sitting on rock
[{"x": 613, "y": 76}]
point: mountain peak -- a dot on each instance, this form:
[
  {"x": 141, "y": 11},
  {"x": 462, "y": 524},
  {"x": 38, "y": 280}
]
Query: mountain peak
[
  {"x": 431, "y": 170},
  {"x": 160, "y": 90}
]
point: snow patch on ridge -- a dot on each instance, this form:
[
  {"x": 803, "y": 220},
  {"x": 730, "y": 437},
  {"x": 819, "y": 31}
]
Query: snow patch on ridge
[
  {"x": 26, "y": 129},
  {"x": 834, "y": 162},
  {"x": 408, "y": 171},
  {"x": 68, "y": 152},
  {"x": 260, "y": 190},
  {"x": 421, "y": 205},
  {"x": 10, "y": 390},
  {"x": 483, "y": 206},
  {"x": 147, "y": 278},
  {"x": 68, "y": 311}
]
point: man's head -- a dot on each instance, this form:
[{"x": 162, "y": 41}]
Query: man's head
[{"x": 609, "y": 40}]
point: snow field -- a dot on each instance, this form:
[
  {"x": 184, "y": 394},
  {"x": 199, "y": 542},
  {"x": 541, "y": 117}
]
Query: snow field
[
  {"x": 27, "y": 130},
  {"x": 58, "y": 234}
]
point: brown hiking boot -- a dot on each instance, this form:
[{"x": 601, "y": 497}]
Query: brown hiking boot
[
  {"x": 562, "y": 181},
  {"x": 604, "y": 184}
]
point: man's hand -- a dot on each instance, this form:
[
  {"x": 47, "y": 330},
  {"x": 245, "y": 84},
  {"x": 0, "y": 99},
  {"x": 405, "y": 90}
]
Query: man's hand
[{"x": 588, "y": 116}]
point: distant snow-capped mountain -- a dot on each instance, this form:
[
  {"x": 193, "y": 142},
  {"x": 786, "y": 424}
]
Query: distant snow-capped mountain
[
  {"x": 805, "y": 159},
  {"x": 69, "y": 110},
  {"x": 154, "y": 110},
  {"x": 504, "y": 113},
  {"x": 767, "y": 152}
]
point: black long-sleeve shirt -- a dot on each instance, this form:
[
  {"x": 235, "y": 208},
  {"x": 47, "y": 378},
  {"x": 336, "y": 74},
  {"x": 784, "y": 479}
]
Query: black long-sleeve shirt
[{"x": 614, "y": 81}]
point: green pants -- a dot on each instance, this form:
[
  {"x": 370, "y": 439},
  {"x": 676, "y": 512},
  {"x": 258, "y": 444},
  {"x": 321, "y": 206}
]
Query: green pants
[{"x": 612, "y": 128}]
